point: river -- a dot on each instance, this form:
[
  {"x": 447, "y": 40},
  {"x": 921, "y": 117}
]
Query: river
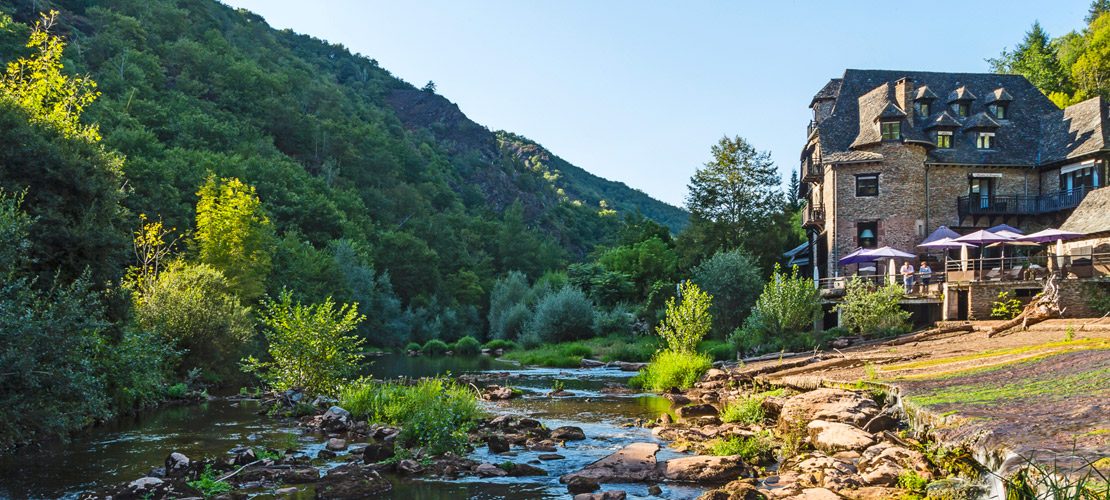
[{"x": 128, "y": 448}]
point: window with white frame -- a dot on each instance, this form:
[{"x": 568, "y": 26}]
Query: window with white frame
[
  {"x": 944, "y": 139},
  {"x": 985, "y": 140}
]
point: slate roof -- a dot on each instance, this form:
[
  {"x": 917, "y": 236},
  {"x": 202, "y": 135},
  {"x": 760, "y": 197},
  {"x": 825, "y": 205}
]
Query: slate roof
[
  {"x": 980, "y": 120},
  {"x": 961, "y": 94},
  {"x": 1092, "y": 215},
  {"x": 924, "y": 93},
  {"x": 851, "y": 157},
  {"x": 1035, "y": 132},
  {"x": 998, "y": 95}
]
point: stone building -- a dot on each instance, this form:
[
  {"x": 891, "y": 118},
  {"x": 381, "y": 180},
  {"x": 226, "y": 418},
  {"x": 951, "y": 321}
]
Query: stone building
[{"x": 892, "y": 155}]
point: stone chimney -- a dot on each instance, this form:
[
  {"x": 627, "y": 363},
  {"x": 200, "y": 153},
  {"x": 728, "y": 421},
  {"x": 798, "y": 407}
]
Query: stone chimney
[{"x": 903, "y": 97}]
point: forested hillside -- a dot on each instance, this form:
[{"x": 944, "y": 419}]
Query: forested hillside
[{"x": 342, "y": 154}]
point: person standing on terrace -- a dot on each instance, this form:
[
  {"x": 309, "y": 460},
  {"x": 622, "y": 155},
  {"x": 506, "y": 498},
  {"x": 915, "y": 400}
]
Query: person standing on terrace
[
  {"x": 907, "y": 276},
  {"x": 925, "y": 272}
]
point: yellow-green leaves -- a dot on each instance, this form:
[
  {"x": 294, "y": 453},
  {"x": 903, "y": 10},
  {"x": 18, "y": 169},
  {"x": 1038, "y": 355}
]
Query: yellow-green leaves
[
  {"x": 37, "y": 85},
  {"x": 688, "y": 321},
  {"x": 234, "y": 235}
]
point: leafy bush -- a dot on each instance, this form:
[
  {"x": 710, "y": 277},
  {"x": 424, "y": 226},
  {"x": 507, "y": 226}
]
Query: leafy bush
[
  {"x": 837, "y": 331},
  {"x": 748, "y": 410},
  {"x": 754, "y": 449},
  {"x": 468, "y": 346},
  {"x": 495, "y": 344},
  {"x": 508, "y": 311},
  {"x": 412, "y": 346},
  {"x": 177, "y": 391},
  {"x": 617, "y": 320},
  {"x": 193, "y": 307},
  {"x": 309, "y": 345},
  {"x": 435, "y": 347},
  {"x": 789, "y": 304},
  {"x": 208, "y": 483},
  {"x": 688, "y": 321},
  {"x": 671, "y": 369},
  {"x": 561, "y": 316},
  {"x": 638, "y": 351},
  {"x": 868, "y": 309},
  {"x": 1098, "y": 296},
  {"x": 434, "y": 414},
  {"x": 136, "y": 368},
  {"x": 734, "y": 280},
  {"x": 1006, "y": 307}
]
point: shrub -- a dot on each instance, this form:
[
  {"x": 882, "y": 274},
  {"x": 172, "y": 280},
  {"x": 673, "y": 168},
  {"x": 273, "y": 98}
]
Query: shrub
[
  {"x": 1098, "y": 296},
  {"x": 208, "y": 483},
  {"x": 639, "y": 350},
  {"x": 507, "y": 308},
  {"x": 468, "y": 346},
  {"x": 867, "y": 309},
  {"x": 789, "y": 304},
  {"x": 617, "y": 320},
  {"x": 837, "y": 331},
  {"x": 434, "y": 347},
  {"x": 193, "y": 307},
  {"x": 561, "y": 316},
  {"x": 177, "y": 391},
  {"x": 748, "y": 410},
  {"x": 688, "y": 321},
  {"x": 1006, "y": 307},
  {"x": 434, "y": 414},
  {"x": 718, "y": 350},
  {"x": 495, "y": 344},
  {"x": 671, "y": 369},
  {"x": 412, "y": 346},
  {"x": 136, "y": 369},
  {"x": 309, "y": 345},
  {"x": 734, "y": 280},
  {"x": 754, "y": 449}
]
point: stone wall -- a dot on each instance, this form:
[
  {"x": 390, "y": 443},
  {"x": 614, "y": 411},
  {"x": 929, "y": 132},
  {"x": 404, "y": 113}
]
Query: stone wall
[
  {"x": 983, "y": 295},
  {"x": 947, "y": 183}
]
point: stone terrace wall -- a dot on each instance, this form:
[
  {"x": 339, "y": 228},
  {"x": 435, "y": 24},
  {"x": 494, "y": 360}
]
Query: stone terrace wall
[{"x": 982, "y": 296}]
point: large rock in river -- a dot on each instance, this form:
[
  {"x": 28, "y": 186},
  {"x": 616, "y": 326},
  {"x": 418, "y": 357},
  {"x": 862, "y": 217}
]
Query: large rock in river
[
  {"x": 633, "y": 463},
  {"x": 705, "y": 469},
  {"x": 832, "y": 437},
  {"x": 832, "y": 405},
  {"x": 351, "y": 481}
]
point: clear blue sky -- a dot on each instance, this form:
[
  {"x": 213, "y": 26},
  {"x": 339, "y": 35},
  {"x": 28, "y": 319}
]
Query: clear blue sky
[{"x": 637, "y": 91}]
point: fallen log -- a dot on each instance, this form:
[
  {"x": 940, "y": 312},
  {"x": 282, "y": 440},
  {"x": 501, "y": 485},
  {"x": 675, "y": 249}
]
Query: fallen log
[
  {"x": 1046, "y": 305},
  {"x": 931, "y": 333}
]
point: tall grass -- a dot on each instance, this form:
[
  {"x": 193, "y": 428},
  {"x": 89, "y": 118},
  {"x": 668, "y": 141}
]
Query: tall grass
[
  {"x": 747, "y": 411},
  {"x": 754, "y": 449},
  {"x": 434, "y": 414},
  {"x": 670, "y": 369}
]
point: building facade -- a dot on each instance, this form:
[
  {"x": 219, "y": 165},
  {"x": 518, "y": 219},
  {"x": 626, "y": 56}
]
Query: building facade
[{"x": 892, "y": 155}]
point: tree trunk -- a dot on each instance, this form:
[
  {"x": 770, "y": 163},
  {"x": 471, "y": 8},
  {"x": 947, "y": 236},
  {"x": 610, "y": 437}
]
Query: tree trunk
[{"x": 1044, "y": 306}]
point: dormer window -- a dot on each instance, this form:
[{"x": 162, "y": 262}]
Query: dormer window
[
  {"x": 891, "y": 131},
  {"x": 984, "y": 140},
  {"x": 922, "y": 108},
  {"x": 961, "y": 109},
  {"x": 998, "y": 110},
  {"x": 944, "y": 139}
]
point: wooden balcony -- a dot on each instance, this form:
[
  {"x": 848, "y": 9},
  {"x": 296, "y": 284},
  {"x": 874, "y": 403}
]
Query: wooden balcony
[
  {"x": 810, "y": 172},
  {"x": 813, "y": 217},
  {"x": 1021, "y": 204}
]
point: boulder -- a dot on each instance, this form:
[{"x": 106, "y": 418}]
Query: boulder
[
  {"x": 497, "y": 393},
  {"x": 880, "y": 465},
  {"x": 715, "y": 374},
  {"x": 145, "y": 487},
  {"x": 336, "y": 419},
  {"x": 244, "y": 457},
  {"x": 832, "y": 437},
  {"x": 551, "y": 456},
  {"x": 705, "y": 469},
  {"x": 490, "y": 470},
  {"x": 832, "y": 405},
  {"x": 740, "y": 489},
  {"x": 325, "y": 454},
  {"x": 603, "y": 495},
  {"x": 568, "y": 433},
  {"x": 591, "y": 363},
  {"x": 819, "y": 470},
  {"x": 581, "y": 484},
  {"x": 522, "y": 470},
  {"x": 702, "y": 410},
  {"x": 497, "y": 444},
  {"x": 409, "y": 466},
  {"x": 633, "y": 463},
  {"x": 177, "y": 464},
  {"x": 378, "y": 451},
  {"x": 351, "y": 481},
  {"x": 336, "y": 444}
]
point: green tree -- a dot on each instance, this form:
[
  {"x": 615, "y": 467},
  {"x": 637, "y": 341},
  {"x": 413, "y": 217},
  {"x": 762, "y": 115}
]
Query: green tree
[
  {"x": 193, "y": 307},
  {"x": 872, "y": 310},
  {"x": 789, "y": 304},
  {"x": 687, "y": 321},
  {"x": 507, "y": 308},
  {"x": 733, "y": 279},
  {"x": 645, "y": 263},
  {"x": 234, "y": 235},
  {"x": 563, "y": 315},
  {"x": 1035, "y": 59},
  {"x": 310, "y": 346}
]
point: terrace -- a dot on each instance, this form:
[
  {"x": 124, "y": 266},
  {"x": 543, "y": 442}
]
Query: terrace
[{"x": 1021, "y": 204}]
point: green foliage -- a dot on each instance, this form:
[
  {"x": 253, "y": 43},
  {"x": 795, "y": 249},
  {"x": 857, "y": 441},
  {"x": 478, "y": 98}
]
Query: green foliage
[
  {"x": 644, "y": 262},
  {"x": 309, "y": 345},
  {"x": 870, "y": 310},
  {"x": 606, "y": 287},
  {"x": 508, "y": 312},
  {"x": 434, "y": 414},
  {"x": 1006, "y": 307},
  {"x": 1097, "y": 295},
  {"x": 234, "y": 235},
  {"x": 688, "y": 321},
  {"x": 673, "y": 369},
  {"x": 748, "y": 410},
  {"x": 616, "y": 320},
  {"x": 135, "y": 368},
  {"x": 495, "y": 344},
  {"x": 266, "y": 454},
  {"x": 564, "y": 315},
  {"x": 193, "y": 308},
  {"x": 177, "y": 391},
  {"x": 719, "y": 350},
  {"x": 412, "y": 346},
  {"x": 434, "y": 347},
  {"x": 467, "y": 346},
  {"x": 912, "y": 481},
  {"x": 733, "y": 279},
  {"x": 208, "y": 483},
  {"x": 565, "y": 355},
  {"x": 789, "y": 304},
  {"x": 557, "y": 386},
  {"x": 753, "y": 449},
  {"x": 38, "y": 85}
]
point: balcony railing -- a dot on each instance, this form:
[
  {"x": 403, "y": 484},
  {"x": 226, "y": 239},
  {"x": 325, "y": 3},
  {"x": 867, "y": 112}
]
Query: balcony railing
[
  {"x": 1021, "y": 204},
  {"x": 810, "y": 172},
  {"x": 813, "y": 217},
  {"x": 1022, "y": 268}
]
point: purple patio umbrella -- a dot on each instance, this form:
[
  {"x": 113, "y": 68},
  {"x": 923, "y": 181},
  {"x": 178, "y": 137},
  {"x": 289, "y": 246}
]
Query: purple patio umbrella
[
  {"x": 1050, "y": 235},
  {"x": 888, "y": 253},
  {"x": 940, "y": 233},
  {"x": 944, "y": 244},
  {"x": 856, "y": 257},
  {"x": 1005, "y": 227},
  {"x": 981, "y": 237}
]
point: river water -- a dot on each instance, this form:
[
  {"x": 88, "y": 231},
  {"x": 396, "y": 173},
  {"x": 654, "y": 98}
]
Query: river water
[{"x": 128, "y": 448}]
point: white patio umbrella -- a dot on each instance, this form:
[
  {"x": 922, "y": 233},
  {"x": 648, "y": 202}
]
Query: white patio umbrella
[{"x": 963, "y": 257}]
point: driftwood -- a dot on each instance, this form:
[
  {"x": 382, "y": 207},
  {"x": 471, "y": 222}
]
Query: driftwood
[
  {"x": 930, "y": 333},
  {"x": 1045, "y": 305}
]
